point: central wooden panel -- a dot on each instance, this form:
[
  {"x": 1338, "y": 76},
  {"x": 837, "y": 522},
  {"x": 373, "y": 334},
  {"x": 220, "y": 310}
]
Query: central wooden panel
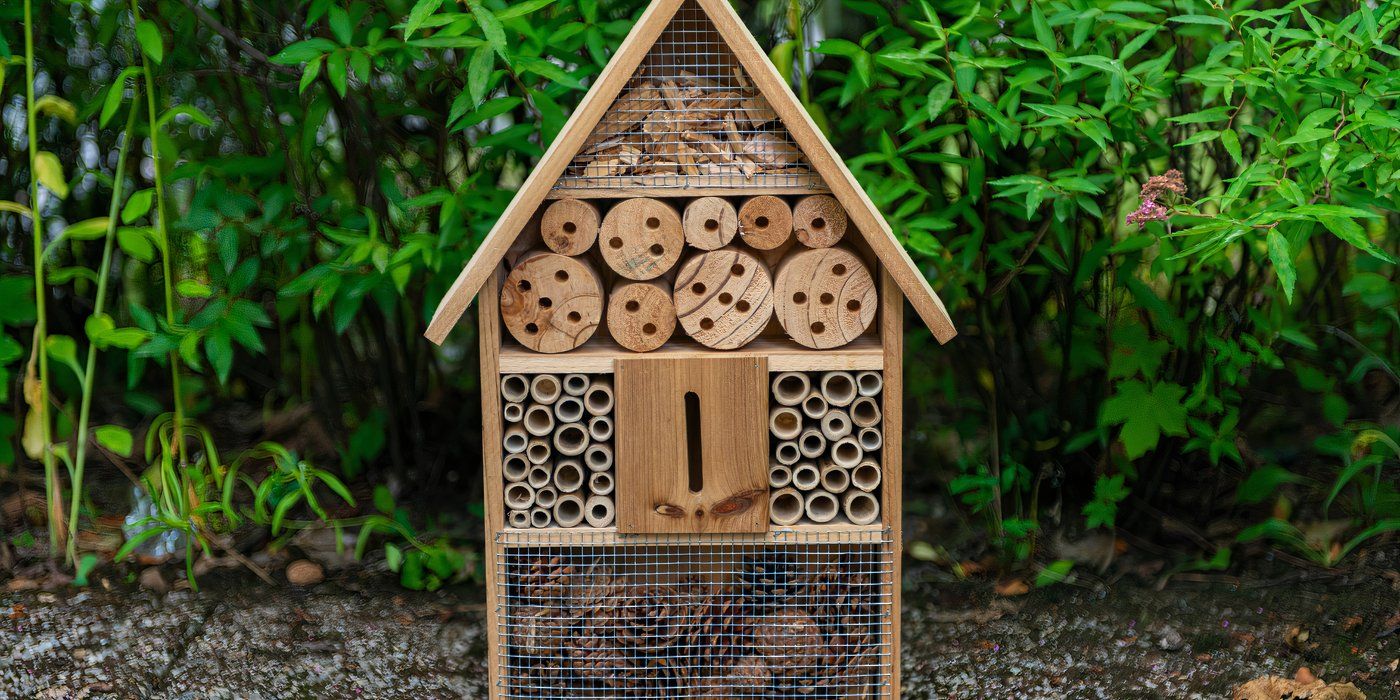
[{"x": 668, "y": 443}]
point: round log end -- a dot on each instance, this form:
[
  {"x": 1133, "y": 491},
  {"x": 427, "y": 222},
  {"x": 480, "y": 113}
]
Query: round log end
[
  {"x": 710, "y": 223},
  {"x": 641, "y": 315},
  {"x": 765, "y": 222},
  {"x": 723, "y": 298},
  {"x": 824, "y": 297},
  {"x": 819, "y": 221},
  {"x": 570, "y": 226},
  {"x": 552, "y": 303},
  {"x": 641, "y": 238}
]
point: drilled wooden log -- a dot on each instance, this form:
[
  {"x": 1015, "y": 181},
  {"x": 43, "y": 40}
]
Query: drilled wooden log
[
  {"x": 641, "y": 315},
  {"x": 765, "y": 222},
  {"x": 552, "y": 303},
  {"x": 641, "y": 238},
  {"x": 819, "y": 221},
  {"x": 710, "y": 223},
  {"x": 723, "y": 298},
  {"x": 570, "y": 226},
  {"x": 825, "y": 297}
]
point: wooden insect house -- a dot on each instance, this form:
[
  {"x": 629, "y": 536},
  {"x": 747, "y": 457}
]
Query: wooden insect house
[{"x": 691, "y": 328}]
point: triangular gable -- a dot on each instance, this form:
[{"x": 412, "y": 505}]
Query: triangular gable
[{"x": 624, "y": 69}]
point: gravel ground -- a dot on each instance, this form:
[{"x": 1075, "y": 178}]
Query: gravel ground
[{"x": 351, "y": 638}]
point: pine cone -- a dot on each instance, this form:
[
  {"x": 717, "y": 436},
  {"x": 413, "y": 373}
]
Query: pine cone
[
  {"x": 539, "y": 631},
  {"x": 768, "y": 580},
  {"x": 748, "y": 677},
  {"x": 544, "y": 580},
  {"x": 791, "y": 644}
]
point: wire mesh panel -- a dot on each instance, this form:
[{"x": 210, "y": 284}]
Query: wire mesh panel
[
  {"x": 689, "y": 118},
  {"x": 693, "y": 616}
]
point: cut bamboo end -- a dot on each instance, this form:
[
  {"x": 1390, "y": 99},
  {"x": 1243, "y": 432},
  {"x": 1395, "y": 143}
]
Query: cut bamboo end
[
  {"x": 601, "y": 483},
  {"x": 723, "y": 298},
  {"x": 539, "y": 476},
  {"x": 519, "y": 519},
  {"x": 824, "y": 298},
  {"x": 570, "y": 226},
  {"x": 865, "y": 412},
  {"x": 539, "y": 451},
  {"x": 598, "y": 401},
  {"x": 515, "y": 439},
  {"x": 819, "y": 221},
  {"x": 571, "y": 439},
  {"x": 552, "y": 303},
  {"x": 568, "y": 511},
  {"x": 785, "y": 422},
  {"x": 812, "y": 444},
  {"x": 519, "y": 496},
  {"x": 642, "y": 315},
  {"x": 598, "y": 511},
  {"x": 710, "y": 223},
  {"x": 540, "y": 517},
  {"x": 514, "y": 388},
  {"x": 514, "y": 467},
  {"x": 546, "y": 497},
  {"x": 861, "y": 508},
  {"x": 806, "y": 477},
  {"x": 866, "y": 476},
  {"x": 568, "y": 476},
  {"x": 838, "y": 388},
  {"x": 815, "y": 405},
  {"x": 641, "y": 238},
  {"x": 821, "y": 507},
  {"x": 788, "y": 452},
  {"x": 790, "y": 388},
  {"x": 835, "y": 479},
  {"x": 598, "y": 458},
  {"x": 785, "y": 507},
  {"x": 600, "y": 428},
  {"x": 576, "y": 384},
  {"x": 513, "y": 412},
  {"x": 765, "y": 222},
  {"x": 779, "y": 476},
  {"x": 846, "y": 452},
  {"x": 545, "y": 389},
  {"x": 568, "y": 409},
  {"x": 870, "y": 439},
  {"x": 836, "y": 424},
  {"x": 539, "y": 420},
  {"x": 869, "y": 383}
]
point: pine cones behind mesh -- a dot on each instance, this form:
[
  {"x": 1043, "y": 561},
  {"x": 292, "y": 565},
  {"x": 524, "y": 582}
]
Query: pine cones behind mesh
[
  {"x": 768, "y": 580},
  {"x": 791, "y": 644},
  {"x": 632, "y": 637},
  {"x": 545, "y": 580}
]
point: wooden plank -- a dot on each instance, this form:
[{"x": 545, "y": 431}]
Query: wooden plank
[
  {"x": 782, "y": 354},
  {"x": 673, "y": 412},
  {"x": 580, "y": 125},
  {"x": 843, "y": 533},
  {"x": 489, "y": 333},
  {"x": 892, "y": 488},
  {"x": 686, "y": 192}
]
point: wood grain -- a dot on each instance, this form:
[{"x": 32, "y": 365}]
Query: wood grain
[
  {"x": 710, "y": 223},
  {"x": 765, "y": 222},
  {"x": 552, "y": 303},
  {"x": 783, "y": 355},
  {"x": 819, "y": 221},
  {"x": 570, "y": 226},
  {"x": 489, "y": 339},
  {"x": 724, "y": 298},
  {"x": 641, "y": 238},
  {"x": 824, "y": 297},
  {"x": 641, "y": 315},
  {"x": 892, "y": 454}
]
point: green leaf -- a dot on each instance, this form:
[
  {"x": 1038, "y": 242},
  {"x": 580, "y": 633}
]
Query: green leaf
[
  {"x": 15, "y": 208},
  {"x": 341, "y": 27},
  {"x": 393, "y": 556},
  {"x": 137, "y": 205},
  {"x": 50, "y": 173},
  {"x": 1056, "y": 572},
  {"x": 1352, "y": 232},
  {"x": 1200, "y": 19},
  {"x": 86, "y": 230},
  {"x": 64, "y": 350},
  {"x": 479, "y": 71},
  {"x": 1282, "y": 258},
  {"x": 420, "y": 12},
  {"x": 136, "y": 242},
  {"x": 1231, "y": 141},
  {"x": 57, "y": 107},
  {"x": 151, "y": 43},
  {"x": 303, "y": 51},
  {"x": 114, "y": 438},
  {"x": 193, "y": 289},
  {"x": 1146, "y": 414},
  {"x": 938, "y": 99},
  {"x": 83, "y": 569},
  {"x": 491, "y": 26}
]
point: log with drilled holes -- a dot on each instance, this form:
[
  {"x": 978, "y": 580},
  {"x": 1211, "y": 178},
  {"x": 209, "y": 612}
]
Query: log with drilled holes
[
  {"x": 825, "y": 297},
  {"x": 819, "y": 221},
  {"x": 641, "y": 315},
  {"x": 570, "y": 226},
  {"x": 641, "y": 238},
  {"x": 710, "y": 223},
  {"x": 552, "y": 303},
  {"x": 765, "y": 222},
  {"x": 723, "y": 298}
]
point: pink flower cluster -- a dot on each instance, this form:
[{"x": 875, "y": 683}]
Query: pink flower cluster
[{"x": 1157, "y": 188}]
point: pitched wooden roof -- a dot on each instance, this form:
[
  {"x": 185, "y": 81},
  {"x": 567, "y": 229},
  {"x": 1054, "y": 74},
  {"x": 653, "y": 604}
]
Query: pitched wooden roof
[{"x": 809, "y": 139}]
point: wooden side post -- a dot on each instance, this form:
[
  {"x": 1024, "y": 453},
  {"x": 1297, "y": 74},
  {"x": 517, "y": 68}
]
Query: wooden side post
[
  {"x": 892, "y": 489},
  {"x": 489, "y": 332}
]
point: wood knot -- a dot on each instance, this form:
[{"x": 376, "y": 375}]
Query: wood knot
[
  {"x": 670, "y": 510},
  {"x": 737, "y": 504}
]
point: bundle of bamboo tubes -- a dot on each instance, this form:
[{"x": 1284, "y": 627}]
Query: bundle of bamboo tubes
[
  {"x": 826, "y": 445},
  {"x": 558, "y": 459}
]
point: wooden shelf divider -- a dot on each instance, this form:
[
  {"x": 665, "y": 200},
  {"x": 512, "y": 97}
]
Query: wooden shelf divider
[
  {"x": 839, "y": 533},
  {"x": 784, "y": 355},
  {"x": 624, "y": 192}
]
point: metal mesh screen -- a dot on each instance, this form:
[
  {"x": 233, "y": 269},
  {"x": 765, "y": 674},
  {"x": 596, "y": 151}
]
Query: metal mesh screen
[
  {"x": 694, "y": 616},
  {"x": 689, "y": 118}
]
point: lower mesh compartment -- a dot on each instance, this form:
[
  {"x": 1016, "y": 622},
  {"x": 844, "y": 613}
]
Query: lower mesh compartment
[{"x": 603, "y": 616}]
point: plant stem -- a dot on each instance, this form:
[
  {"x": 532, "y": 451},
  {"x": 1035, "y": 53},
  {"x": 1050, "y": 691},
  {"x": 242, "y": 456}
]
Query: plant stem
[{"x": 98, "y": 306}]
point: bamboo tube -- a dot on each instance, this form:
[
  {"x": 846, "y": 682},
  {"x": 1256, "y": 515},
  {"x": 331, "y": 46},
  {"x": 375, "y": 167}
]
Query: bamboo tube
[
  {"x": 601, "y": 483},
  {"x": 779, "y": 476},
  {"x": 598, "y": 401},
  {"x": 519, "y": 496},
  {"x": 785, "y": 422},
  {"x": 790, "y": 388},
  {"x": 836, "y": 424},
  {"x": 785, "y": 507},
  {"x": 569, "y": 409},
  {"x": 866, "y": 476},
  {"x": 812, "y": 443},
  {"x": 787, "y": 452},
  {"x": 870, "y": 439},
  {"x": 538, "y": 451},
  {"x": 539, "y": 476},
  {"x": 815, "y": 405},
  {"x": 869, "y": 383},
  {"x": 600, "y": 428},
  {"x": 576, "y": 384},
  {"x": 599, "y": 511},
  {"x": 598, "y": 458},
  {"x": 824, "y": 298},
  {"x": 821, "y": 507},
  {"x": 642, "y": 315},
  {"x": 765, "y": 222},
  {"x": 819, "y": 221},
  {"x": 546, "y": 497},
  {"x": 806, "y": 477},
  {"x": 724, "y": 298},
  {"x": 552, "y": 303},
  {"x": 838, "y": 388},
  {"x": 514, "y": 467},
  {"x": 513, "y": 412},
  {"x": 568, "y": 510},
  {"x": 641, "y": 238},
  {"x": 540, "y": 517},
  {"x": 539, "y": 420},
  {"x": 710, "y": 223},
  {"x": 835, "y": 479},
  {"x": 865, "y": 412},
  {"x": 568, "y": 475},
  {"x": 515, "y": 440},
  {"x": 570, "y": 226},
  {"x": 571, "y": 439},
  {"x": 846, "y": 452},
  {"x": 514, "y": 388},
  {"x": 517, "y": 518},
  {"x": 861, "y": 508},
  {"x": 545, "y": 389}
]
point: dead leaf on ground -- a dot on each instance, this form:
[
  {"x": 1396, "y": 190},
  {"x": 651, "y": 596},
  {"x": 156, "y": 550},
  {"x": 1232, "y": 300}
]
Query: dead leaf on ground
[
  {"x": 1304, "y": 686},
  {"x": 1012, "y": 587}
]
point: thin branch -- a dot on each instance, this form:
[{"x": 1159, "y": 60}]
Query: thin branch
[{"x": 243, "y": 46}]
